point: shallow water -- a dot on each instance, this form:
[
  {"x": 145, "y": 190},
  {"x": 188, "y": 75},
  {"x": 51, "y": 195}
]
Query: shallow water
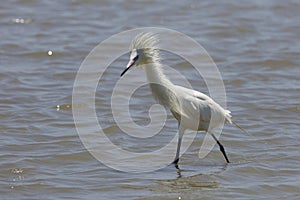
[{"x": 255, "y": 46}]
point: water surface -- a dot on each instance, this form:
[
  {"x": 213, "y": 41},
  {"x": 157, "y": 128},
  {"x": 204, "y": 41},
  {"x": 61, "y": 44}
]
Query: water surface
[{"x": 255, "y": 46}]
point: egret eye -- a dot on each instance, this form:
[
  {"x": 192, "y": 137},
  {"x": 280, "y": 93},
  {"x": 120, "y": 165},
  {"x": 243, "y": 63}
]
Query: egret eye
[{"x": 136, "y": 57}]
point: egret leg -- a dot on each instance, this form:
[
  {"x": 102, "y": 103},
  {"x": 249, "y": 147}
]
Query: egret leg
[
  {"x": 222, "y": 149},
  {"x": 180, "y": 135}
]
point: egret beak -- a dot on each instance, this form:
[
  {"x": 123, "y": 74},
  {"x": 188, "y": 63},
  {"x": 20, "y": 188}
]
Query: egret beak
[{"x": 129, "y": 65}]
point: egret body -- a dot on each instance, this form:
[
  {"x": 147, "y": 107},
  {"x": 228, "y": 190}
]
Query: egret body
[{"x": 192, "y": 109}]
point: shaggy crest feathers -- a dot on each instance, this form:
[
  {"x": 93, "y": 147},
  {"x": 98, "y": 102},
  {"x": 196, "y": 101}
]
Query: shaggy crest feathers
[
  {"x": 148, "y": 43},
  {"x": 145, "y": 40}
]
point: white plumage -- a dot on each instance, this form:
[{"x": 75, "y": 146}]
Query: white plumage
[{"x": 192, "y": 109}]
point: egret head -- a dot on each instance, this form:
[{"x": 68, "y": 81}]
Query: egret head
[{"x": 143, "y": 50}]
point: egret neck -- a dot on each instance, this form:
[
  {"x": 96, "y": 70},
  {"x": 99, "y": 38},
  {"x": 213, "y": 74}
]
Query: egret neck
[{"x": 162, "y": 88}]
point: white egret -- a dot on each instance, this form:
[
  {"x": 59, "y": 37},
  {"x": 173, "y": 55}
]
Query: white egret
[{"x": 192, "y": 109}]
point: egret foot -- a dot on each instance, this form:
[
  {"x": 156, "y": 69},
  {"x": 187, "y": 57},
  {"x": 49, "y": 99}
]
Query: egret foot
[{"x": 175, "y": 161}]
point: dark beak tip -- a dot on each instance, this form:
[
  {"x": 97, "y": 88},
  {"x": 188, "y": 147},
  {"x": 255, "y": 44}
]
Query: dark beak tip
[{"x": 127, "y": 68}]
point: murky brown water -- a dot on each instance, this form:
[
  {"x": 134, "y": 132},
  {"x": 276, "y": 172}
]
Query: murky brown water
[{"x": 255, "y": 46}]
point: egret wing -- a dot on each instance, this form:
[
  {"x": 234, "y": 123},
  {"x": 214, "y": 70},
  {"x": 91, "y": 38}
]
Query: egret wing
[
  {"x": 192, "y": 104},
  {"x": 200, "y": 103}
]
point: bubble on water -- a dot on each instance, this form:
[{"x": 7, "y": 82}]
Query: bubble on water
[
  {"x": 21, "y": 21},
  {"x": 17, "y": 171}
]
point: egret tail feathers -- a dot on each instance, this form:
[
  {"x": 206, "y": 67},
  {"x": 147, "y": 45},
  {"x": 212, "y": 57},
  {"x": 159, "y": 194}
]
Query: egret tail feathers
[{"x": 228, "y": 116}]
